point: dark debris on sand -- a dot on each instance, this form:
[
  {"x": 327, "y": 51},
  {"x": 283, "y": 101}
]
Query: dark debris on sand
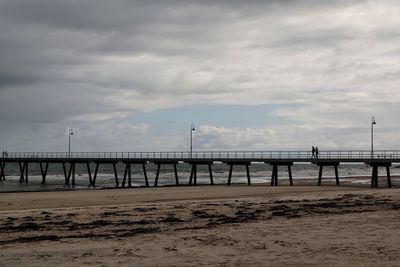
[{"x": 46, "y": 226}]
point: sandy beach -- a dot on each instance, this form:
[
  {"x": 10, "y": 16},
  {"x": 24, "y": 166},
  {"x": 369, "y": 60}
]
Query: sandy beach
[{"x": 201, "y": 226}]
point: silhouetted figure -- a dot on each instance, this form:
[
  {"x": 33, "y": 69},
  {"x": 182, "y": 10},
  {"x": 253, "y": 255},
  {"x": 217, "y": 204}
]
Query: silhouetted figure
[
  {"x": 313, "y": 152},
  {"x": 316, "y": 152}
]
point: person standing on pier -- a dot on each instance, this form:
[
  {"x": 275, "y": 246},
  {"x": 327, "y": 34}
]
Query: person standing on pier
[
  {"x": 316, "y": 152},
  {"x": 313, "y": 152}
]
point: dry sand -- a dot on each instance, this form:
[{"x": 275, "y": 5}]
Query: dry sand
[{"x": 201, "y": 226}]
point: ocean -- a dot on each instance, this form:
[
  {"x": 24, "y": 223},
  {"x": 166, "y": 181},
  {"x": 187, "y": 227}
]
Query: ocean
[{"x": 259, "y": 173}]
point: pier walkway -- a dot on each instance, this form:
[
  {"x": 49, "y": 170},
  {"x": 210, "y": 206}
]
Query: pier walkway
[{"x": 379, "y": 158}]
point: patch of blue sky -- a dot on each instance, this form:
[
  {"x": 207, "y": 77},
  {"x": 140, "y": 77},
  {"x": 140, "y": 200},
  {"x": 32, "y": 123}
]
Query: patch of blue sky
[{"x": 229, "y": 116}]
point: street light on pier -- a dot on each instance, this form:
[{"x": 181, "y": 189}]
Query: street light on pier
[
  {"x": 373, "y": 122},
  {"x": 192, "y": 129},
  {"x": 70, "y": 132}
]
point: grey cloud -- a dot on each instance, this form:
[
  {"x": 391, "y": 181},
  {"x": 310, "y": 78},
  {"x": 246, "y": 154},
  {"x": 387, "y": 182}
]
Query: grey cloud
[
  {"x": 63, "y": 60},
  {"x": 306, "y": 38},
  {"x": 50, "y": 103},
  {"x": 15, "y": 79},
  {"x": 122, "y": 15}
]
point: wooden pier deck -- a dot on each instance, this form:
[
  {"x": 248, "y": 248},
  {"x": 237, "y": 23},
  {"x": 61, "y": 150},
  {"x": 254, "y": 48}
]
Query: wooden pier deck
[{"x": 380, "y": 158}]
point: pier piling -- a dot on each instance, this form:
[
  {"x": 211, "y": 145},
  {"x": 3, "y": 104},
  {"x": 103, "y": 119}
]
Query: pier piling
[
  {"x": 166, "y": 162},
  {"x": 193, "y": 172},
  {"x": 23, "y": 171},
  {"x": 43, "y": 171},
  {"x": 238, "y": 163},
  {"x": 275, "y": 165},
  {"x": 374, "y": 176},
  {"x": 115, "y": 174},
  {"x": 2, "y": 171},
  {"x": 128, "y": 172},
  {"x": 326, "y": 163},
  {"x": 89, "y": 173}
]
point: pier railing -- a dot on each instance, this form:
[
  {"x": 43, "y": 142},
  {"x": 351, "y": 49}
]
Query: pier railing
[{"x": 214, "y": 155}]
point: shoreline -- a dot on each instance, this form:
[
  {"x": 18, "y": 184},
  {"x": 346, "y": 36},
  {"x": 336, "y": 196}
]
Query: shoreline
[
  {"x": 122, "y": 196},
  {"x": 36, "y": 186}
]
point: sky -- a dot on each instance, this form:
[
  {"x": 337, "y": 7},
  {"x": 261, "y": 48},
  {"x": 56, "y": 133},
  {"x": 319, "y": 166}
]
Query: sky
[{"x": 250, "y": 75}]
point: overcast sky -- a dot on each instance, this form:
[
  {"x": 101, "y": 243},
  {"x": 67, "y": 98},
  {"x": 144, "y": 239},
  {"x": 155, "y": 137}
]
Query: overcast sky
[{"x": 251, "y": 75}]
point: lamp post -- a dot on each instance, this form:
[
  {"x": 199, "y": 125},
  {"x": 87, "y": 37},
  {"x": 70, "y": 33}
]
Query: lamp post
[
  {"x": 373, "y": 122},
  {"x": 192, "y": 129},
  {"x": 70, "y": 132}
]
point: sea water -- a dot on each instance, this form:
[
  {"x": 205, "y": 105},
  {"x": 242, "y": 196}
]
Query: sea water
[{"x": 259, "y": 173}]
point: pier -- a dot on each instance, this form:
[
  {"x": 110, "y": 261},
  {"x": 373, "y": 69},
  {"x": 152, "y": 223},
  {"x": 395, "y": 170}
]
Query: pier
[{"x": 68, "y": 161}]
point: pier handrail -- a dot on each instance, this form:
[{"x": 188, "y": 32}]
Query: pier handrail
[{"x": 212, "y": 155}]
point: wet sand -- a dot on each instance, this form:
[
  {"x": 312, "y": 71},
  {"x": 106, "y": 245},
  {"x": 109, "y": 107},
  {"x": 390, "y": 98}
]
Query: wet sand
[{"x": 204, "y": 225}]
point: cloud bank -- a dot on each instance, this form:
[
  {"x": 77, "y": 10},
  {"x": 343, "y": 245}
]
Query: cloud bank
[{"x": 98, "y": 66}]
